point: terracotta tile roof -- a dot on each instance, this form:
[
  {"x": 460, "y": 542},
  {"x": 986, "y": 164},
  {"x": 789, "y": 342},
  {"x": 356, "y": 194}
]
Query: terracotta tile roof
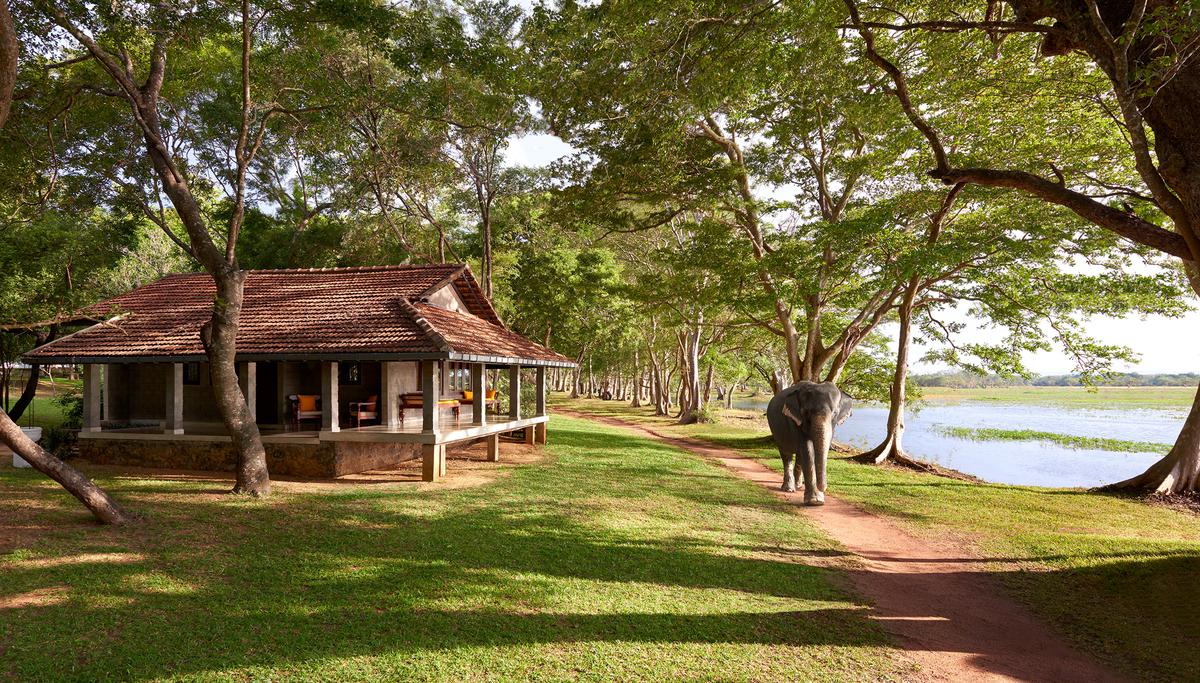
[
  {"x": 469, "y": 335},
  {"x": 315, "y": 313}
]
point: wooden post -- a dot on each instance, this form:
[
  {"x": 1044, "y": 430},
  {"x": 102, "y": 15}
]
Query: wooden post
[
  {"x": 514, "y": 393},
  {"x": 330, "y": 417},
  {"x": 530, "y": 435},
  {"x": 431, "y": 392},
  {"x": 173, "y": 424},
  {"x": 540, "y": 408},
  {"x": 540, "y": 428},
  {"x": 433, "y": 461},
  {"x": 91, "y": 398},
  {"x": 478, "y": 394},
  {"x": 106, "y": 395},
  {"x": 389, "y": 390},
  {"x": 248, "y": 381},
  {"x": 493, "y": 448}
]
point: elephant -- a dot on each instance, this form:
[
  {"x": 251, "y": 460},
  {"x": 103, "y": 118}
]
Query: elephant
[{"x": 802, "y": 418}]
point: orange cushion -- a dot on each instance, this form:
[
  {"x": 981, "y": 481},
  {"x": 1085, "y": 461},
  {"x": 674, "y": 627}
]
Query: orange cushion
[
  {"x": 308, "y": 403},
  {"x": 468, "y": 395}
]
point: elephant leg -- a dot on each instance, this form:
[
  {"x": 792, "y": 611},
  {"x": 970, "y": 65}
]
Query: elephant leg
[
  {"x": 806, "y": 460},
  {"x": 789, "y": 477}
]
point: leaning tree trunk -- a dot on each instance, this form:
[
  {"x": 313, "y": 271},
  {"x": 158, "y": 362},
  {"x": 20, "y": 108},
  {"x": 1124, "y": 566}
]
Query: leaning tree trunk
[
  {"x": 219, "y": 335},
  {"x": 1179, "y": 470},
  {"x": 93, "y": 497}
]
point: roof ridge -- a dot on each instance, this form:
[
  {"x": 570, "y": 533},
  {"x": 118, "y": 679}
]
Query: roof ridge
[
  {"x": 422, "y": 322},
  {"x": 361, "y": 269}
]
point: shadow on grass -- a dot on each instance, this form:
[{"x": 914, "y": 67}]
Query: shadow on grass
[
  {"x": 568, "y": 551},
  {"x": 302, "y": 580}
]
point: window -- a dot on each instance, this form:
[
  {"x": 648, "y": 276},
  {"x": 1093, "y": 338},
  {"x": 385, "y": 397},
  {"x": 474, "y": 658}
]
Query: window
[
  {"x": 191, "y": 373},
  {"x": 350, "y": 374}
]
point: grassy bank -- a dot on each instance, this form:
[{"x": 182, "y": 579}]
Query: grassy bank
[
  {"x": 616, "y": 558},
  {"x": 1068, "y": 440},
  {"x": 1118, "y": 575},
  {"x": 1071, "y": 397}
]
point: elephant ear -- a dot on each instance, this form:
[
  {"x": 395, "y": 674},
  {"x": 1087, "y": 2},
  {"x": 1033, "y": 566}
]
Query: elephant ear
[
  {"x": 845, "y": 405},
  {"x": 792, "y": 409}
]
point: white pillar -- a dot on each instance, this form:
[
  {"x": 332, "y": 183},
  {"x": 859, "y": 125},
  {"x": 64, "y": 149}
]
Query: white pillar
[
  {"x": 248, "y": 381},
  {"x": 173, "y": 408},
  {"x": 91, "y": 398},
  {"x": 478, "y": 394},
  {"x": 431, "y": 392},
  {"x": 514, "y": 392},
  {"x": 330, "y": 419}
]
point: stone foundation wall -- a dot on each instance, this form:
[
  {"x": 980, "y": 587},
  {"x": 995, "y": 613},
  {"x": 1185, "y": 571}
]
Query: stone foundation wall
[{"x": 319, "y": 461}]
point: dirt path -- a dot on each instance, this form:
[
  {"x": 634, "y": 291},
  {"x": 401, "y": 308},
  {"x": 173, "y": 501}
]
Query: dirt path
[{"x": 938, "y": 598}]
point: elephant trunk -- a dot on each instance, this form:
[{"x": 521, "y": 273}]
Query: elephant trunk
[{"x": 821, "y": 433}]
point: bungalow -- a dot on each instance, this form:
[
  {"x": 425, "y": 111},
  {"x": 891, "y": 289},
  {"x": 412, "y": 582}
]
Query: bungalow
[{"x": 346, "y": 370}]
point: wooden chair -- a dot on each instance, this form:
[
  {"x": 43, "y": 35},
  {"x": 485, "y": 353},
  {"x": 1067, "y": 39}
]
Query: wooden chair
[
  {"x": 304, "y": 407},
  {"x": 365, "y": 410}
]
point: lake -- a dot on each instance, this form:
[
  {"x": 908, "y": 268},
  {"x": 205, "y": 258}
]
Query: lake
[{"x": 1034, "y": 463}]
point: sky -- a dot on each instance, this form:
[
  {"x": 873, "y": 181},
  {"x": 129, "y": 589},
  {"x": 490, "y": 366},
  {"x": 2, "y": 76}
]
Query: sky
[{"x": 1163, "y": 344}]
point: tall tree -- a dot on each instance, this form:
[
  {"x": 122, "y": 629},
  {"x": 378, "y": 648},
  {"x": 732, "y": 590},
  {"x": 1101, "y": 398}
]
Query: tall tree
[
  {"x": 173, "y": 68},
  {"x": 1145, "y": 52}
]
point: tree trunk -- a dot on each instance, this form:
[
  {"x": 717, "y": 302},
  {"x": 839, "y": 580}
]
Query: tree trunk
[
  {"x": 27, "y": 394},
  {"x": 891, "y": 448},
  {"x": 637, "y": 380},
  {"x": 93, "y": 497},
  {"x": 218, "y": 336},
  {"x": 1179, "y": 470},
  {"x": 35, "y": 371},
  {"x": 708, "y": 384},
  {"x": 9, "y": 51},
  {"x": 486, "y": 229},
  {"x": 689, "y": 381}
]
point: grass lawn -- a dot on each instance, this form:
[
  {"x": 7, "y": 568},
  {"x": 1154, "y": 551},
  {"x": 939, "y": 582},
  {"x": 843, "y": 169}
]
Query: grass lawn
[
  {"x": 42, "y": 412},
  {"x": 1071, "y": 397},
  {"x": 1068, "y": 440},
  {"x": 1120, "y": 576},
  {"x": 615, "y": 558}
]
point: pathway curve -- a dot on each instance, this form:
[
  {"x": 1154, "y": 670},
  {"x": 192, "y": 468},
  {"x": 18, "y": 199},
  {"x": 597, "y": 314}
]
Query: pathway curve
[{"x": 937, "y": 598}]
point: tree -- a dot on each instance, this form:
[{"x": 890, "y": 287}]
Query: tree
[
  {"x": 172, "y": 68},
  {"x": 1144, "y": 51},
  {"x": 681, "y": 108}
]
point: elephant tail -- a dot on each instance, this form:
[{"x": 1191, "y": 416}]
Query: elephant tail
[{"x": 821, "y": 433}]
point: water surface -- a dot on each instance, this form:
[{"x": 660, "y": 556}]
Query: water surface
[{"x": 1035, "y": 463}]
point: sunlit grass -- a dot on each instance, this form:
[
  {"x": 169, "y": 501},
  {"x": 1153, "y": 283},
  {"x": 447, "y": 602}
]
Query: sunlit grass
[
  {"x": 616, "y": 558},
  {"x": 1117, "y": 574}
]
